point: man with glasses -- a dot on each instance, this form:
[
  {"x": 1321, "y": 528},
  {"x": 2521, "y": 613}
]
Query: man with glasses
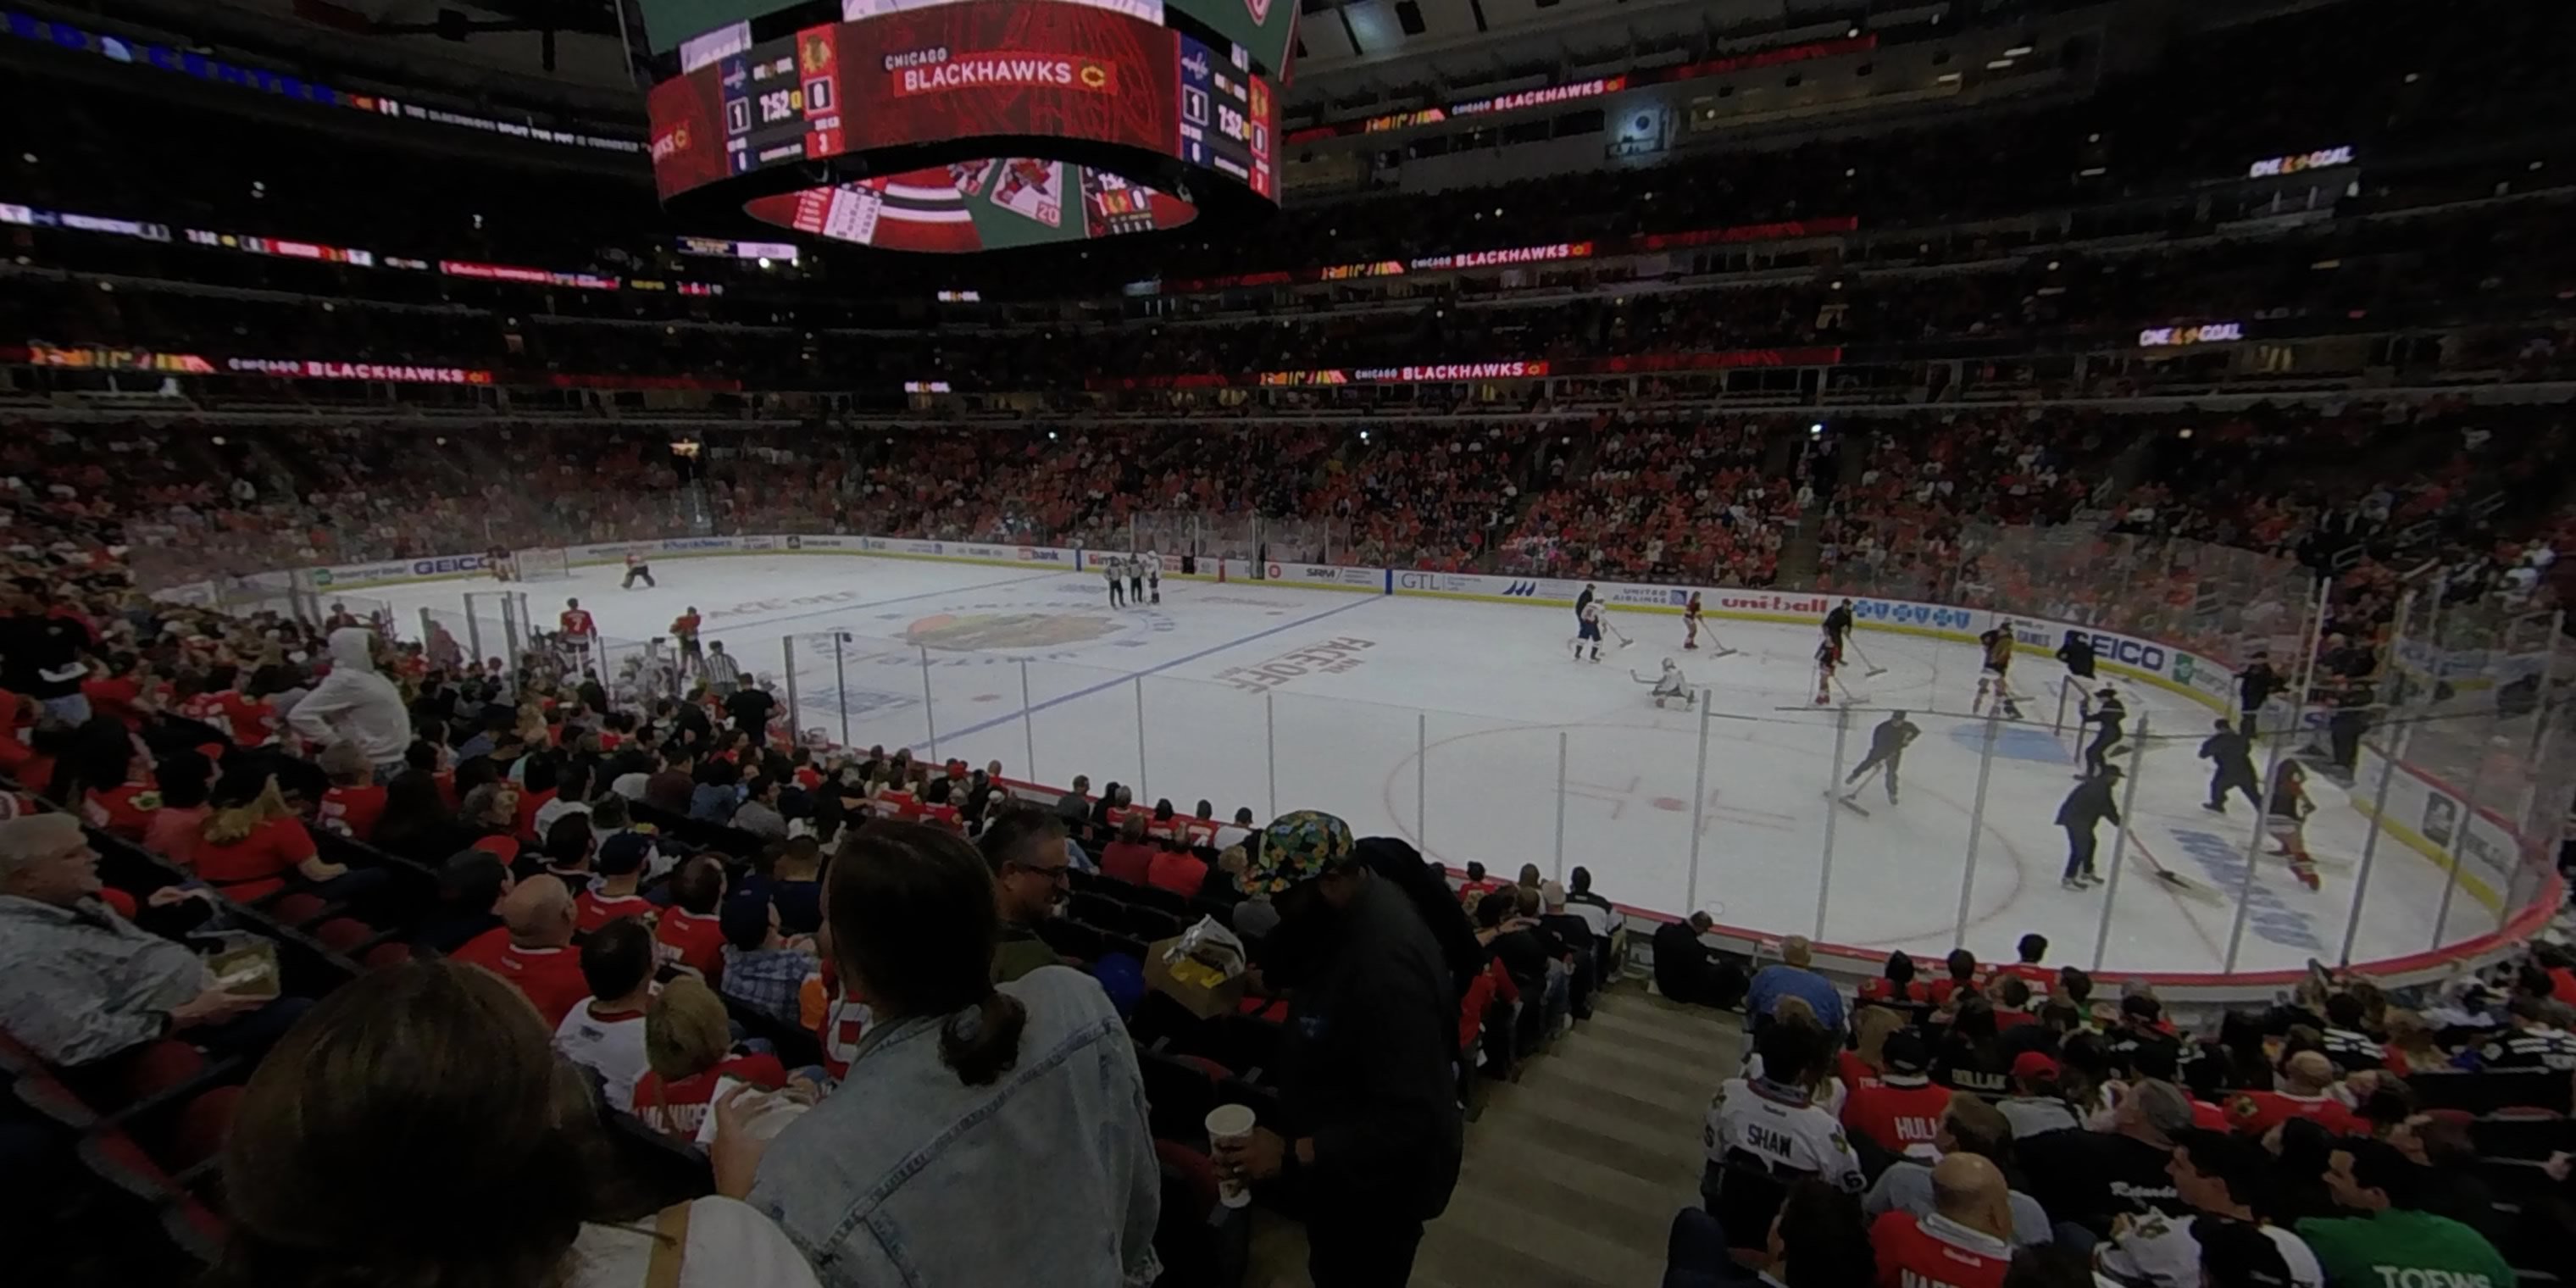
[{"x": 1025, "y": 847}]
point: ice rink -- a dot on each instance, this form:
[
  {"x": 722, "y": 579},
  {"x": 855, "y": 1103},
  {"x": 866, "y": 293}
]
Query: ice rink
[{"x": 1442, "y": 721}]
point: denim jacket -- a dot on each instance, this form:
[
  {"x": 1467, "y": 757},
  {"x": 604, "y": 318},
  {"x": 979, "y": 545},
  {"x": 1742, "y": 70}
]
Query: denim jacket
[{"x": 906, "y": 1176}]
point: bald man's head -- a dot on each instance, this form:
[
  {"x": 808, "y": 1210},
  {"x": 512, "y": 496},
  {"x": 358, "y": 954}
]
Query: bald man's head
[
  {"x": 2309, "y": 1072},
  {"x": 1972, "y": 1191},
  {"x": 539, "y": 913}
]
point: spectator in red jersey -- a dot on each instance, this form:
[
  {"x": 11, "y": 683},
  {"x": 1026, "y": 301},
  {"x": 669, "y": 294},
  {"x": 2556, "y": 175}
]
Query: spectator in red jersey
[
  {"x": 689, "y": 1044},
  {"x": 1900, "y": 1110},
  {"x": 1128, "y": 858},
  {"x": 174, "y": 828},
  {"x": 2040, "y": 978},
  {"x": 98, "y": 777},
  {"x": 690, "y": 932},
  {"x": 1896, "y": 983},
  {"x": 252, "y": 843},
  {"x": 2012, "y": 1003},
  {"x": 117, "y": 690},
  {"x": 1177, "y": 870},
  {"x": 443, "y": 1072},
  {"x": 354, "y": 801},
  {"x": 1963, "y": 977},
  {"x": 621, "y": 862},
  {"x": 2306, "y": 1091},
  {"x": 533, "y": 948},
  {"x": 1966, "y": 1242}
]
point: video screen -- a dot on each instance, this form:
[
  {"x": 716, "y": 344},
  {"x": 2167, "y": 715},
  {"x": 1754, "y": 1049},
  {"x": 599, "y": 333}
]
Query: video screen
[
  {"x": 970, "y": 206},
  {"x": 965, "y": 70}
]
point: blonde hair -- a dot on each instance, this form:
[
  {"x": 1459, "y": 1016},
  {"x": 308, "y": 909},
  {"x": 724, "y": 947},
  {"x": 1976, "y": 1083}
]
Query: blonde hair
[
  {"x": 226, "y": 826},
  {"x": 685, "y": 1031},
  {"x": 1870, "y": 1028}
]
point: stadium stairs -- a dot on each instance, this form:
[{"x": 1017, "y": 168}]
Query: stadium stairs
[{"x": 1574, "y": 1169}]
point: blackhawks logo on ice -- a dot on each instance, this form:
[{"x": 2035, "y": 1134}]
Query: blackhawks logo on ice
[
  {"x": 1011, "y": 631},
  {"x": 1005, "y": 630}
]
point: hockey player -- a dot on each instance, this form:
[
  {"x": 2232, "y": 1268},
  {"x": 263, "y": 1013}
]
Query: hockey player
[
  {"x": 1670, "y": 685},
  {"x": 1827, "y": 657},
  {"x": 1690, "y": 622},
  {"x": 2105, "y": 710},
  {"x": 1135, "y": 582},
  {"x": 1117, "y": 588},
  {"x": 1154, "y": 578},
  {"x": 1838, "y": 627},
  {"x": 2284, "y": 817},
  {"x": 636, "y": 567},
  {"x": 2232, "y": 768},
  {"x": 1997, "y": 645},
  {"x": 684, "y": 628},
  {"x": 2083, "y": 809},
  {"x": 499, "y": 561},
  {"x": 575, "y": 624},
  {"x": 1587, "y": 630},
  {"x": 1583, "y": 601},
  {"x": 2076, "y": 652},
  {"x": 1887, "y": 744}
]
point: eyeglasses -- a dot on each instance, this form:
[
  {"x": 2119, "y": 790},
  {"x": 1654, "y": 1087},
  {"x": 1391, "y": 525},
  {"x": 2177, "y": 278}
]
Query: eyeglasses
[{"x": 1061, "y": 873}]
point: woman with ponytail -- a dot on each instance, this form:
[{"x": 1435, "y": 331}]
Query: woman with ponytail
[{"x": 965, "y": 1103}]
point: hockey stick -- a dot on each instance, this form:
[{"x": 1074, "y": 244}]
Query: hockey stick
[
  {"x": 1874, "y": 668},
  {"x": 1624, "y": 641},
  {"x": 2175, "y": 881}
]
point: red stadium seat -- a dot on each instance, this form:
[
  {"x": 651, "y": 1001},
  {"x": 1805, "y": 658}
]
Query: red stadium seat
[
  {"x": 166, "y": 1064},
  {"x": 344, "y": 935},
  {"x": 198, "y": 1136},
  {"x": 386, "y": 954},
  {"x": 297, "y": 909}
]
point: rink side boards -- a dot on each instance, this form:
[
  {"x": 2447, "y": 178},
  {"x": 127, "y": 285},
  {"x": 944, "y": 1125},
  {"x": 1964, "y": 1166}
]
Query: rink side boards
[{"x": 2422, "y": 809}]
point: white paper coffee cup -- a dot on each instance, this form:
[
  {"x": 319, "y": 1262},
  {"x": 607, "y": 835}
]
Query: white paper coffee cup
[{"x": 1230, "y": 1125}]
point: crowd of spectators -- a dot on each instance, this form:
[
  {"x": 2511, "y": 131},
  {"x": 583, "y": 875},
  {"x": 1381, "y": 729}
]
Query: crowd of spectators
[
  {"x": 2005, "y": 1125},
  {"x": 680, "y": 903}
]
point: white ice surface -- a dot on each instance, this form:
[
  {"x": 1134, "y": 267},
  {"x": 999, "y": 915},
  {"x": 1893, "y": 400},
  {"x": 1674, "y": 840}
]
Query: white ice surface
[{"x": 1485, "y": 691}]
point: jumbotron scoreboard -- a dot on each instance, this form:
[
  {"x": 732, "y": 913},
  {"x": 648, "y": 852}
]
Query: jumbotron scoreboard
[{"x": 961, "y": 125}]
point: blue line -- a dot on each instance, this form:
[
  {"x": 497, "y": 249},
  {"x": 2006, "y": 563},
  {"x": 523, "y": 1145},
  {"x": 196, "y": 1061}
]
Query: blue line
[
  {"x": 998, "y": 721},
  {"x": 901, "y": 599}
]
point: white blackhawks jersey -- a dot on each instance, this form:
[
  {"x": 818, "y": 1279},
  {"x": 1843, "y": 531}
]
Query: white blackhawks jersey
[{"x": 1756, "y": 1123}]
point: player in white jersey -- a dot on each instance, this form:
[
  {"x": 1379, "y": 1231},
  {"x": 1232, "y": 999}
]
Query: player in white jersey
[
  {"x": 1587, "y": 630},
  {"x": 1669, "y": 686}
]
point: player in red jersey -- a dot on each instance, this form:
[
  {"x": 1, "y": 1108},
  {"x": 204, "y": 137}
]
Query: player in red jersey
[{"x": 575, "y": 622}]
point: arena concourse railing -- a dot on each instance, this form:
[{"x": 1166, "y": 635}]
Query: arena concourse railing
[{"x": 2456, "y": 761}]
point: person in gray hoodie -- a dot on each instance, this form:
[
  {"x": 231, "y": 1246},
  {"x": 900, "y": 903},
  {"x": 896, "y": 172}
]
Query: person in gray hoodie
[{"x": 356, "y": 704}]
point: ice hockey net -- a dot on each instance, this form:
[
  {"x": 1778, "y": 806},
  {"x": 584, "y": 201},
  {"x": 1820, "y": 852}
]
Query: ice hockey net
[{"x": 540, "y": 563}]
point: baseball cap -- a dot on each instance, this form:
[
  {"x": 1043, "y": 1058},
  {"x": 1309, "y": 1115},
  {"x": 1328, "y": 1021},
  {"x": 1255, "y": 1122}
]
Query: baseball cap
[
  {"x": 2035, "y": 1064},
  {"x": 1297, "y": 847},
  {"x": 1905, "y": 1053},
  {"x": 625, "y": 852}
]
